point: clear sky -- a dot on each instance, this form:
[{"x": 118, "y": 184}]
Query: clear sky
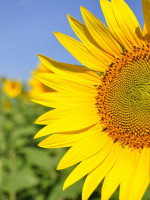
[{"x": 26, "y": 30}]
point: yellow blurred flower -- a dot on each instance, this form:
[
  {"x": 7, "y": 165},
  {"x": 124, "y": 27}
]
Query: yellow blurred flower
[
  {"x": 36, "y": 86},
  {"x": 12, "y": 88},
  {"x": 7, "y": 105}
]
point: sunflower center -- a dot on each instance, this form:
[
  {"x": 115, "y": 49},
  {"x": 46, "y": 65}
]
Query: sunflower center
[{"x": 123, "y": 99}]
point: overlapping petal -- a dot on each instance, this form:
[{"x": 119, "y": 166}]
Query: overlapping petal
[
  {"x": 88, "y": 164},
  {"x": 135, "y": 177},
  {"x": 101, "y": 33},
  {"x": 127, "y": 22},
  {"x": 113, "y": 25},
  {"x": 95, "y": 177},
  {"x": 113, "y": 178},
  {"x": 146, "y": 14},
  {"x": 85, "y": 36},
  {"x": 81, "y": 53},
  {"x": 69, "y": 71}
]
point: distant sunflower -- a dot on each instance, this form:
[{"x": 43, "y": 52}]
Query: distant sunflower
[
  {"x": 36, "y": 86},
  {"x": 104, "y": 119},
  {"x": 12, "y": 88}
]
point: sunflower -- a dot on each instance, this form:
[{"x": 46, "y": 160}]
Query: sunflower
[
  {"x": 36, "y": 86},
  {"x": 102, "y": 109},
  {"x": 12, "y": 88}
]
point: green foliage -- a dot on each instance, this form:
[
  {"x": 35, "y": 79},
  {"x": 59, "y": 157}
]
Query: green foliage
[{"x": 28, "y": 172}]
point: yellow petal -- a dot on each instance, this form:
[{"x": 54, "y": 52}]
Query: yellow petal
[
  {"x": 146, "y": 13},
  {"x": 84, "y": 149},
  {"x": 84, "y": 35},
  {"x": 136, "y": 176},
  {"x": 55, "y": 114},
  {"x": 129, "y": 169},
  {"x": 62, "y": 140},
  {"x": 146, "y": 35},
  {"x": 70, "y": 122},
  {"x": 113, "y": 25},
  {"x": 71, "y": 72},
  {"x": 101, "y": 33},
  {"x": 95, "y": 177},
  {"x": 144, "y": 30},
  {"x": 113, "y": 178},
  {"x": 56, "y": 82},
  {"x": 75, "y": 79},
  {"x": 127, "y": 22},
  {"x": 80, "y": 52},
  {"x": 59, "y": 100},
  {"x": 47, "y": 117},
  {"x": 88, "y": 165},
  {"x": 140, "y": 179}
]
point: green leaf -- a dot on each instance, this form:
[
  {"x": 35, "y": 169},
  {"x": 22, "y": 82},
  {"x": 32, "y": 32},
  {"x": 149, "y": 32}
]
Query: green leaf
[
  {"x": 20, "y": 180},
  {"x": 40, "y": 157},
  {"x": 115, "y": 196},
  {"x": 147, "y": 194},
  {"x": 70, "y": 193},
  {"x": 24, "y": 131}
]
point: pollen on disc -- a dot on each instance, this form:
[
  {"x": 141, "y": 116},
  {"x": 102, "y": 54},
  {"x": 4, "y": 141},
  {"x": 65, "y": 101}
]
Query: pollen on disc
[{"x": 123, "y": 99}]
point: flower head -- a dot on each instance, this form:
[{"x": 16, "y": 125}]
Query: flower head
[
  {"x": 104, "y": 119},
  {"x": 12, "y": 88}
]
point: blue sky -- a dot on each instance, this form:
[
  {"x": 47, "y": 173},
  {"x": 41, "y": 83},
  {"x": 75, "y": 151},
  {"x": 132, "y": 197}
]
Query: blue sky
[{"x": 26, "y": 30}]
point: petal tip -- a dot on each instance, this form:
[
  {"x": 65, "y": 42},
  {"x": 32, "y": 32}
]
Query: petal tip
[
  {"x": 64, "y": 187},
  {"x": 39, "y": 55},
  {"x": 58, "y": 167},
  {"x": 40, "y": 144},
  {"x": 36, "y": 121},
  {"x": 66, "y": 184},
  {"x": 55, "y": 33},
  {"x": 35, "y": 137},
  {"x": 83, "y": 9},
  {"x": 68, "y": 15}
]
